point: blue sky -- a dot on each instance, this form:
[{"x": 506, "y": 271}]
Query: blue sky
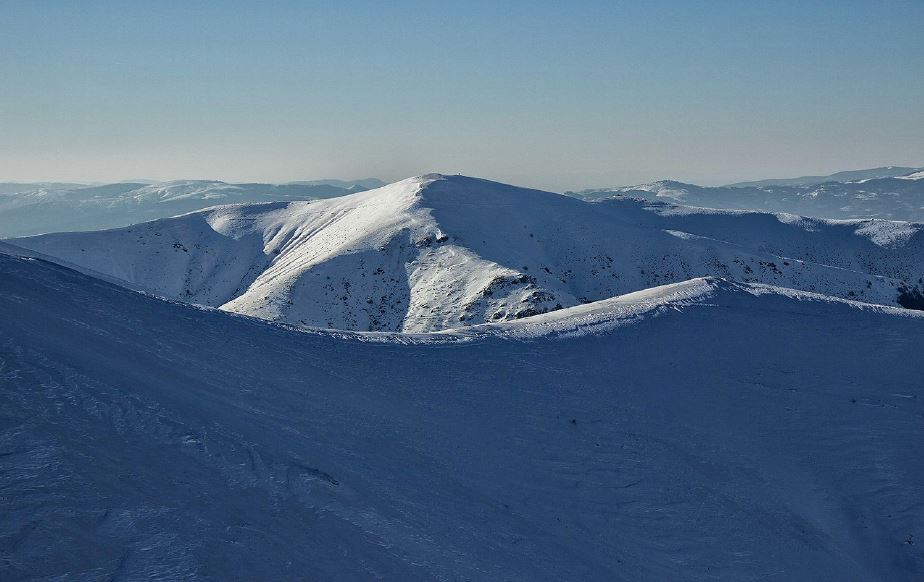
[{"x": 547, "y": 94}]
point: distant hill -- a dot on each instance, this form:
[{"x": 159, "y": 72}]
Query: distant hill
[
  {"x": 15, "y": 187},
  {"x": 364, "y": 184},
  {"x": 846, "y": 176},
  {"x": 890, "y": 198},
  {"x": 27, "y": 209}
]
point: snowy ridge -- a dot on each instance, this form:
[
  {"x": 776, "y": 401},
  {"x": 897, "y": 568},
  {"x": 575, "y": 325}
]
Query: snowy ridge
[
  {"x": 601, "y": 317},
  {"x": 713, "y": 440},
  {"x": 443, "y": 252},
  {"x": 605, "y": 315}
]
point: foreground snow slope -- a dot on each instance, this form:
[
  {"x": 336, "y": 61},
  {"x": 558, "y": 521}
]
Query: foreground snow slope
[
  {"x": 693, "y": 432},
  {"x": 439, "y": 252}
]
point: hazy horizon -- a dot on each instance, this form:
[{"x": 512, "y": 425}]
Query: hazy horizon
[
  {"x": 349, "y": 179},
  {"x": 541, "y": 95}
]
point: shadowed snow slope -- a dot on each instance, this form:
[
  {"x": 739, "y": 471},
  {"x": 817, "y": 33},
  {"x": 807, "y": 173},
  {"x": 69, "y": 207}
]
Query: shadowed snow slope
[
  {"x": 694, "y": 431},
  {"x": 440, "y": 252}
]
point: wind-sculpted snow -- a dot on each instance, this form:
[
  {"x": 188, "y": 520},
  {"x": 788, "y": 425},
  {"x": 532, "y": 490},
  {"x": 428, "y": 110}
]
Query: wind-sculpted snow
[
  {"x": 695, "y": 431},
  {"x": 442, "y": 252}
]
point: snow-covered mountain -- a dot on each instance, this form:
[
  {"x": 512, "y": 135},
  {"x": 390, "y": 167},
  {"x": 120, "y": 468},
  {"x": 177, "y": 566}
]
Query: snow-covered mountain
[
  {"x": 845, "y": 176},
  {"x": 27, "y": 209},
  {"x": 891, "y": 198},
  {"x": 693, "y": 432},
  {"x": 438, "y": 252}
]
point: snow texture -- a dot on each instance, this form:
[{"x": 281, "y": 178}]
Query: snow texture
[{"x": 704, "y": 430}]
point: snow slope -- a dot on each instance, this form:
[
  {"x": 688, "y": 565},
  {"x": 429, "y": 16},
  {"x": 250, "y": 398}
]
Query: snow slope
[
  {"x": 890, "y": 198},
  {"x": 13, "y": 250},
  {"x": 690, "y": 432},
  {"x": 883, "y": 248},
  {"x": 32, "y": 209},
  {"x": 439, "y": 252}
]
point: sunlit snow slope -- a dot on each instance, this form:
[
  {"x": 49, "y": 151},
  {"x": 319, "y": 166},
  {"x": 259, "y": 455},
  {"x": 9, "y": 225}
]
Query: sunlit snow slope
[
  {"x": 439, "y": 252},
  {"x": 689, "y": 432}
]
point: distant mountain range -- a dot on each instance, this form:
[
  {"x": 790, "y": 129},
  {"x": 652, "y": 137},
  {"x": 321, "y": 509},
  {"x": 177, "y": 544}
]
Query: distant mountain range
[
  {"x": 53, "y": 207},
  {"x": 874, "y": 196},
  {"x": 365, "y": 183},
  {"x": 892, "y": 193},
  {"x": 845, "y": 176},
  {"x": 18, "y": 187}
]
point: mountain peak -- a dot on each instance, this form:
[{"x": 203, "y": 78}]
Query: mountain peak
[{"x": 435, "y": 252}]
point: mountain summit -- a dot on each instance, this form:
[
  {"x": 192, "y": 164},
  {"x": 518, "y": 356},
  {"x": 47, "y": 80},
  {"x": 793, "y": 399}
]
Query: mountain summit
[{"x": 437, "y": 252}]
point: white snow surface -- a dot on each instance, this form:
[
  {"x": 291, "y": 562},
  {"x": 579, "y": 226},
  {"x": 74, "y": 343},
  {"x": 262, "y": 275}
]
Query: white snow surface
[
  {"x": 704, "y": 430},
  {"x": 440, "y": 252}
]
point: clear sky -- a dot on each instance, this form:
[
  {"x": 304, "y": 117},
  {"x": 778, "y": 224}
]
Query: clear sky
[{"x": 559, "y": 95}]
